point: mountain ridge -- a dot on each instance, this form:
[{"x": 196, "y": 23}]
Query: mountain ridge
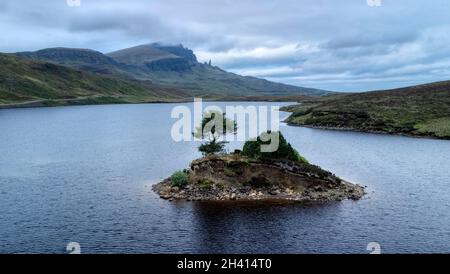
[
  {"x": 171, "y": 66},
  {"x": 41, "y": 83}
]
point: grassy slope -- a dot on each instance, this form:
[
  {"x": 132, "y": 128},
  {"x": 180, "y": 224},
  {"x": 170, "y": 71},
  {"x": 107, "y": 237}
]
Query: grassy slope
[
  {"x": 420, "y": 110},
  {"x": 23, "y": 80},
  {"x": 199, "y": 80},
  {"x": 204, "y": 80}
]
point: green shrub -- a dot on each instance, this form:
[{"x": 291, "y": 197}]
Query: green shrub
[
  {"x": 179, "y": 179},
  {"x": 212, "y": 147},
  {"x": 285, "y": 151}
]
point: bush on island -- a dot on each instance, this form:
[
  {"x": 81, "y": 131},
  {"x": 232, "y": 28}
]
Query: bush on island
[
  {"x": 285, "y": 151},
  {"x": 179, "y": 179}
]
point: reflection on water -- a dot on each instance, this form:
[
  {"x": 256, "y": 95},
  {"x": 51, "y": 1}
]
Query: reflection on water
[
  {"x": 224, "y": 226},
  {"x": 84, "y": 174}
]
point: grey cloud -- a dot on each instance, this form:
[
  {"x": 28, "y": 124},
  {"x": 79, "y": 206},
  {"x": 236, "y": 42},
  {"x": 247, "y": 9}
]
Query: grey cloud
[
  {"x": 351, "y": 45},
  {"x": 220, "y": 44},
  {"x": 270, "y": 62},
  {"x": 133, "y": 24},
  {"x": 359, "y": 40}
]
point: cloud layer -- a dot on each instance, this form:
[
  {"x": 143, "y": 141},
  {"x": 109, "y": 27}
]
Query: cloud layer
[{"x": 328, "y": 44}]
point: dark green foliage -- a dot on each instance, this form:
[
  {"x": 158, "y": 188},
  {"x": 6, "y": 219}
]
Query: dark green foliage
[
  {"x": 211, "y": 130},
  {"x": 179, "y": 179},
  {"x": 285, "y": 151},
  {"x": 212, "y": 147}
]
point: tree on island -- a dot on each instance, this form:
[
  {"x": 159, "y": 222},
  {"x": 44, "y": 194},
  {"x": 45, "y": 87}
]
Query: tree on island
[{"x": 214, "y": 125}]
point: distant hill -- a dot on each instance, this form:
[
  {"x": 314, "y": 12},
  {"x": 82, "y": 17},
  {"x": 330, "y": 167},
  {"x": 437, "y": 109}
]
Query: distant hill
[
  {"x": 422, "y": 110},
  {"x": 84, "y": 59},
  {"x": 142, "y": 60},
  {"x": 42, "y": 83},
  {"x": 141, "y": 55},
  {"x": 178, "y": 50},
  {"x": 172, "y": 66}
]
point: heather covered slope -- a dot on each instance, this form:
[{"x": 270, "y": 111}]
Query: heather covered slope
[
  {"x": 422, "y": 110},
  {"x": 24, "y": 80}
]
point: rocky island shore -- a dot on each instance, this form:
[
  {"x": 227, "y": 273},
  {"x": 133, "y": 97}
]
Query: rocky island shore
[
  {"x": 234, "y": 177},
  {"x": 267, "y": 169}
]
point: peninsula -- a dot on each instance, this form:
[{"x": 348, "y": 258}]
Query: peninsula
[
  {"x": 252, "y": 175},
  {"x": 419, "y": 111}
]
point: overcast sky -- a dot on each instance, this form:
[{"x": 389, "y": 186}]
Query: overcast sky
[{"x": 328, "y": 44}]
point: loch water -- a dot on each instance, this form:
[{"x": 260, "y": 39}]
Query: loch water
[{"x": 84, "y": 174}]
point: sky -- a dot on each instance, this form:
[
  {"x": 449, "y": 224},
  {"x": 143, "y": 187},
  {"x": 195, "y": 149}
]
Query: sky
[{"x": 351, "y": 45}]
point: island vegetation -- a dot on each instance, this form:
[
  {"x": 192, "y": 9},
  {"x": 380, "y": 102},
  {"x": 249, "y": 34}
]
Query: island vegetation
[{"x": 250, "y": 174}]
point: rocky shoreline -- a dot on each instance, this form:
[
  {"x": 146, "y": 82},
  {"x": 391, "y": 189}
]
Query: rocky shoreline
[
  {"x": 362, "y": 130},
  {"x": 236, "y": 178}
]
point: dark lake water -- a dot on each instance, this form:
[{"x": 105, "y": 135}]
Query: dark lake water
[{"x": 84, "y": 174}]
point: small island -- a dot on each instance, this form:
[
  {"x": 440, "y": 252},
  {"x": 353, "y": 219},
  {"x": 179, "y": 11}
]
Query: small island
[{"x": 253, "y": 175}]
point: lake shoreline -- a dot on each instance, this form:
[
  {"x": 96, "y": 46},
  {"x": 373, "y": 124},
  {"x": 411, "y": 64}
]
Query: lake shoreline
[
  {"x": 82, "y": 102},
  {"x": 402, "y": 134}
]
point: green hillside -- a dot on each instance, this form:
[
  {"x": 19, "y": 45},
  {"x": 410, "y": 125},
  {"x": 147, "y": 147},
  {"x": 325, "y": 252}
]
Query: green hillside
[
  {"x": 422, "y": 110},
  {"x": 205, "y": 80},
  {"x": 170, "y": 66},
  {"x": 23, "y": 80}
]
